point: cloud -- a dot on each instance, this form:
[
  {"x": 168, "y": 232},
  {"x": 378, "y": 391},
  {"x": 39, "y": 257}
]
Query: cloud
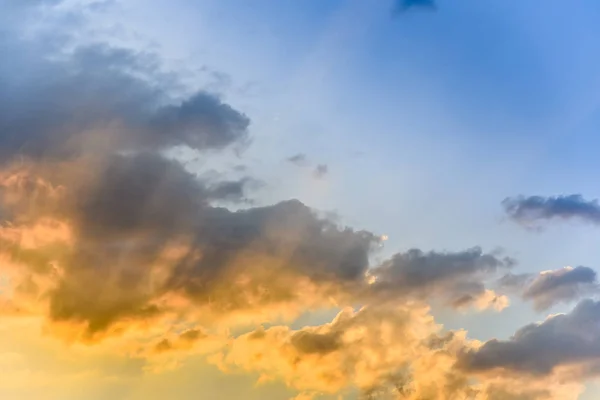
[
  {"x": 142, "y": 240},
  {"x": 298, "y": 159},
  {"x": 566, "y": 340},
  {"x": 232, "y": 190},
  {"x": 549, "y": 288},
  {"x": 145, "y": 231},
  {"x": 408, "y": 5},
  {"x": 385, "y": 352},
  {"x": 321, "y": 171},
  {"x": 561, "y": 285},
  {"x": 367, "y": 349},
  {"x": 457, "y": 277},
  {"x": 532, "y": 209},
  {"x": 94, "y": 98},
  {"x": 138, "y": 238}
]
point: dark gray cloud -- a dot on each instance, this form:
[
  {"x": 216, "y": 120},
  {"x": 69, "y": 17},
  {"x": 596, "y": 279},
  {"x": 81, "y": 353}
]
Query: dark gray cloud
[
  {"x": 565, "y": 339},
  {"x": 532, "y": 209}
]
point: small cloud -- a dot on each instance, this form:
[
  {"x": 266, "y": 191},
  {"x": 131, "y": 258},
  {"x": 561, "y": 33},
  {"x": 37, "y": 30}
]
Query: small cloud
[
  {"x": 528, "y": 211},
  {"x": 320, "y": 171},
  {"x": 298, "y": 159},
  {"x": 402, "y": 6}
]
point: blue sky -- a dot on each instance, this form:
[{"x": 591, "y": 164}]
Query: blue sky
[{"x": 426, "y": 120}]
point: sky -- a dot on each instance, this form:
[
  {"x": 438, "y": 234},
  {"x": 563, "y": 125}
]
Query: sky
[{"x": 299, "y": 200}]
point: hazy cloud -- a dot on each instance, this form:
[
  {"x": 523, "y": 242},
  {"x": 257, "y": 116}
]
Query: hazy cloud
[{"x": 321, "y": 171}]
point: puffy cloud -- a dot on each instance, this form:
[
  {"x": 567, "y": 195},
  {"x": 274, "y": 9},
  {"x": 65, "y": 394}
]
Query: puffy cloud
[
  {"x": 552, "y": 287},
  {"x": 532, "y": 209}
]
